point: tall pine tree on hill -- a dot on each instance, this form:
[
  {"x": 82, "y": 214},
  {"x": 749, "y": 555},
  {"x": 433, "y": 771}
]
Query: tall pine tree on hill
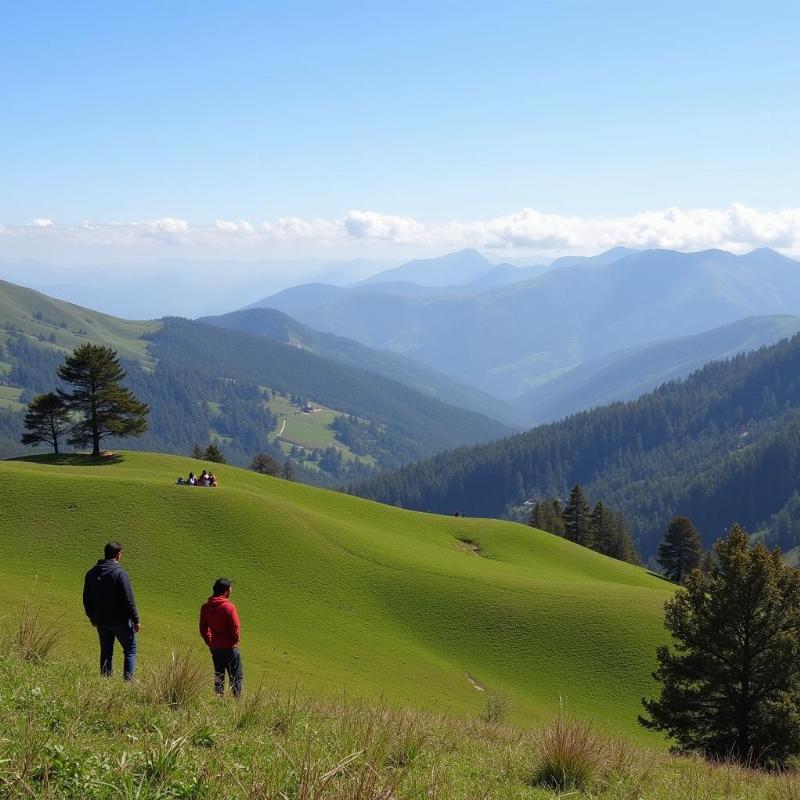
[
  {"x": 546, "y": 515},
  {"x": 578, "y": 518},
  {"x": 730, "y": 682},
  {"x": 106, "y": 408},
  {"x": 681, "y": 550}
]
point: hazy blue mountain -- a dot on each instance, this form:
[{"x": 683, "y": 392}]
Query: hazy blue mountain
[
  {"x": 508, "y": 340},
  {"x": 506, "y": 274},
  {"x": 284, "y": 329},
  {"x": 452, "y": 269},
  {"x": 601, "y": 260},
  {"x": 628, "y": 374}
]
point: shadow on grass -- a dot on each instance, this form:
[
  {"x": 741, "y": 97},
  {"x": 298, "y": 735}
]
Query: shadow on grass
[
  {"x": 74, "y": 459},
  {"x": 661, "y": 577}
]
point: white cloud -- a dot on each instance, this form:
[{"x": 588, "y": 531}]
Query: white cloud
[{"x": 736, "y": 228}]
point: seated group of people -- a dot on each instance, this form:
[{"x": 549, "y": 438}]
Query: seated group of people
[{"x": 204, "y": 479}]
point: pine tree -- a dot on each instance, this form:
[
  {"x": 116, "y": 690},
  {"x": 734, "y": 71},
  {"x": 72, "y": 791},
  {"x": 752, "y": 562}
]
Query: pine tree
[
  {"x": 546, "y": 516},
  {"x": 731, "y": 681},
  {"x": 197, "y": 451},
  {"x": 578, "y": 518},
  {"x": 605, "y": 532},
  {"x": 288, "y": 470},
  {"x": 681, "y": 550},
  {"x": 213, "y": 452},
  {"x": 105, "y": 407},
  {"x": 265, "y": 464},
  {"x": 47, "y": 420}
]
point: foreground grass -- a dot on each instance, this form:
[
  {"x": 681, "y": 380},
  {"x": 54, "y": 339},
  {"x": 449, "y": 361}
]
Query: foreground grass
[{"x": 67, "y": 733}]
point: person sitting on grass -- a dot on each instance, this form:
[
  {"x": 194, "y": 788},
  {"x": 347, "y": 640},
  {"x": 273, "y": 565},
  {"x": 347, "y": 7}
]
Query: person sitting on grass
[
  {"x": 212, "y": 479},
  {"x": 219, "y": 628},
  {"x": 192, "y": 480}
]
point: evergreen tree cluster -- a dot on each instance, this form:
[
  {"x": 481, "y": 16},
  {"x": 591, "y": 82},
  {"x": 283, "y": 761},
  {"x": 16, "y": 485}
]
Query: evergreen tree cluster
[
  {"x": 597, "y": 528},
  {"x": 97, "y": 406},
  {"x": 723, "y": 443}
]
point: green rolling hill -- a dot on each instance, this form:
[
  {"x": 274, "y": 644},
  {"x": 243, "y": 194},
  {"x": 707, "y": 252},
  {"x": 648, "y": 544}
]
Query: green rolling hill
[{"x": 337, "y": 593}]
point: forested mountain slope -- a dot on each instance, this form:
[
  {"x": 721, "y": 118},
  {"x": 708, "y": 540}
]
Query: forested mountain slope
[
  {"x": 628, "y": 374},
  {"x": 204, "y": 383},
  {"x": 721, "y": 446},
  {"x": 283, "y": 329}
]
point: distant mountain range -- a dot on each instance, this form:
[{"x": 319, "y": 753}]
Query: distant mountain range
[
  {"x": 628, "y": 374},
  {"x": 508, "y": 341}
]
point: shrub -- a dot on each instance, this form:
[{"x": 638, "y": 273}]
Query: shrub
[
  {"x": 569, "y": 754},
  {"x": 496, "y": 708},
  {"x": 179, "y": 681},
  {"x": 33, "y": 639}
]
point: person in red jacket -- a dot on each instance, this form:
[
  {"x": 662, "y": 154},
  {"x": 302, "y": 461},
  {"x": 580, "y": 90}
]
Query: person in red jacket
[{"x": 219, "y": 627}]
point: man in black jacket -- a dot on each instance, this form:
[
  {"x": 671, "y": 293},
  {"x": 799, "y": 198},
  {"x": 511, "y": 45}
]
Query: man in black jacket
[{"x": 109, "y": 604}]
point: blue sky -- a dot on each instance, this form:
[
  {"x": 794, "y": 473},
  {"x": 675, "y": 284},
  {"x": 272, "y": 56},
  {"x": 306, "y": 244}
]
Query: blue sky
[{"x": 195, "y": 111}]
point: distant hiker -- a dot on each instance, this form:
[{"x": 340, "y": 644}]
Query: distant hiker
[
  {"x": 109, "y": 604},
  {"x": 219, "y": 627}
]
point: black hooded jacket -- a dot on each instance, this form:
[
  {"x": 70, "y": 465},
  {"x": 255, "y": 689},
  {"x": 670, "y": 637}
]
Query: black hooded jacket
[{"x": 107, "y": 594}]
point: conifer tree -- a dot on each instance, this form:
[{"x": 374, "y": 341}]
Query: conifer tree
[
  {"x": 106, "y": 408},
  {"x": 605, "y": 532},
  {"x": 578, "y": 518},
  {"x": 730, "y": 683},
  {"x": 547, "y": 516},
  {"x": 288, "y": 470},
  {"x": 681, "y": 550},
  {"x": 46, "y": 420},
  {"x": 213, "y": 452},
  {"x": 197, "y": 451}
]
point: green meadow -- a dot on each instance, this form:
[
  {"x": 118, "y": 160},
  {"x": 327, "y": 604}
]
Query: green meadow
[{"x": 339, "y": 595}]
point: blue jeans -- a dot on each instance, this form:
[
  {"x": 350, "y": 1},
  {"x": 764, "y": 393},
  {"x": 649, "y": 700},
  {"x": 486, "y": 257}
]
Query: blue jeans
[{"x": 123, "y": 632}]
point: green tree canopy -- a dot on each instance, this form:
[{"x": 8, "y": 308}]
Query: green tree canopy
[
  {"x": 730, "y": 683},
  {"x": 265, "y": 464},
  {"x": 46, "y": 421},
  {"x": 681, "y": 549},
  {"x": 105, "y": 407},
  {"x": 214, "y": 453},
  {"x": 578, "y": 518}
]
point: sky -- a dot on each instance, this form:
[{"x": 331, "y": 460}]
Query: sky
[{"x": 263, "y": 131}]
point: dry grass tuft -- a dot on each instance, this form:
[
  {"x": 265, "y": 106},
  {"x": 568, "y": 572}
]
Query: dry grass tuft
[
  {"x": 179, "y": 681},
  {"x": 34, "y": 639},
  {"x": 569, "y": 754}
]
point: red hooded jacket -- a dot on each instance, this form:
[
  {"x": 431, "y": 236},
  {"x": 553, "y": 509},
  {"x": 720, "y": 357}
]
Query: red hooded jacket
[{"x": 219, "y": 623}]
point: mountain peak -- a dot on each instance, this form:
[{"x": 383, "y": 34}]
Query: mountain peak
[{"x": 452, "y": 269}]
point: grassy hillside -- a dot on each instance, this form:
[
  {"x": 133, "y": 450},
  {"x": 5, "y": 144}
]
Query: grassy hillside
[
  {"x": 339, "y": 593},
  {"x": 68, "y": 326}
]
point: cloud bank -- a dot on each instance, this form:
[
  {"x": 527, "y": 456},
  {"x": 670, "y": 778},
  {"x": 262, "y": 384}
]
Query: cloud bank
[{"x": 736, "y": 228}]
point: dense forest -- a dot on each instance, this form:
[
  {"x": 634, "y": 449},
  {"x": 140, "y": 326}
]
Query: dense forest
[
  {"x": 719, "y": 447},
  {"x": 207, "y": 383}
]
